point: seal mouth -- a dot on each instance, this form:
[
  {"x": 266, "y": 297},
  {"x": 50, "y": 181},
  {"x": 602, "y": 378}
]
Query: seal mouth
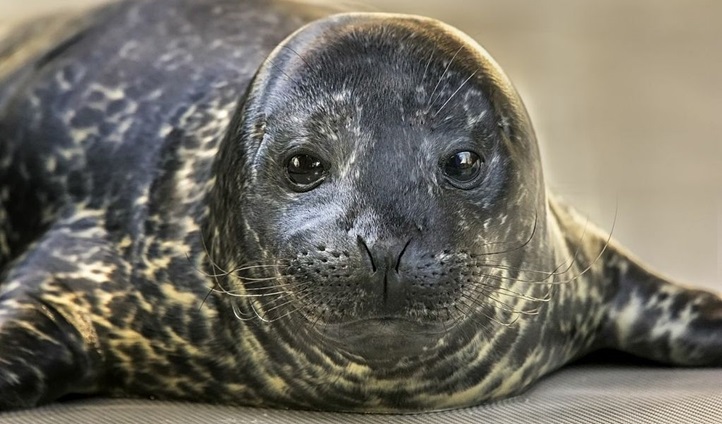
[
  {"x": 386, "y": 338},
  {"x": 390, "y": 325}
]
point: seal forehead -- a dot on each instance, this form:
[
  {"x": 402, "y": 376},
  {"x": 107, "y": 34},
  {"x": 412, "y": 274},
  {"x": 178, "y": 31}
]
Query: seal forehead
[
  {"x": 396, "y": 53},
  {"x": 398, "y": 68}
]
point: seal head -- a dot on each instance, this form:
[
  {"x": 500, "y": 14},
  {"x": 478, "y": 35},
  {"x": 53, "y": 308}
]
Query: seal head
[{"x": 374, "y": 163}]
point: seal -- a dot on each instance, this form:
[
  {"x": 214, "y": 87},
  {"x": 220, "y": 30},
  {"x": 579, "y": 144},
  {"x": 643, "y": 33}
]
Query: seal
[{"x": 259, "y": 203}]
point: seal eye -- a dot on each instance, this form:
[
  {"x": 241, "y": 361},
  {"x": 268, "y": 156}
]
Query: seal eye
[
  {"x": 462, "y": 167},
  {"x": 305, "y": 171}
]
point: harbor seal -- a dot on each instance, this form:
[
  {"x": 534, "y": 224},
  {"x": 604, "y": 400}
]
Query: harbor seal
[{"x": 258, "y": 203}]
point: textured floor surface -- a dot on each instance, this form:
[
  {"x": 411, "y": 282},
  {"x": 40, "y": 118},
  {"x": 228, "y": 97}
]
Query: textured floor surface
[{"x": 580, "y": 394}]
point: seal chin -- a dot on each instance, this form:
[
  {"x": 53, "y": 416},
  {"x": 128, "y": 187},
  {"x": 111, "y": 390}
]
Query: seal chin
[{"x": 385, "y": 339}]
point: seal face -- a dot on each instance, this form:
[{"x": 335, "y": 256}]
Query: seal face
[
  {"x": 351, "y": 250},
  {"x": 350, "y": 218}
]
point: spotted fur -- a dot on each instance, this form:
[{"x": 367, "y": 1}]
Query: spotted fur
[{"x": 150, "y": 244}]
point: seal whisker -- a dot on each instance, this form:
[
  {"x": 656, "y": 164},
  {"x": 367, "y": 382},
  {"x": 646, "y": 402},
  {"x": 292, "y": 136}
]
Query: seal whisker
[
  {"x": 240, "y": 315},
  {"x": 214, "y": 264},
  {"x": 275, "y": 286},
  {"x": 293, "y": 310},
  {"x": 205, "y": 299},
  {"x": 505, "y": 306},
  {"x": 258, "y": 265},
  {"x": 426, "y": 68},
  {"x": 278, "y": 68},
  {"x": 276, "y": 264},
  {"x": 251, "y": 291},
  {"x": 500, "y": 267},
  {"x": 257, "y": 280},
  {"x": 297, "y": 309},
  {"x": 249, "y": 280},
  {"x": 287, "y": 47},
  {"x": 195, "y": 268},
  {"x": 265, "y": 315},
  {"x": 551, "y": 274},
  {"x": 509, "y": 292},
  {"x": 509, "y": 308},
  {"x": 282, "y": 292},
  {"x": 515, "y": 279},
  {"x": 255, "y": 311},
  {"x": 242, "y": 292},
  {"x": 235, "y": 271},
  {"x": 589, "y": 266},
  {"x": 262, "y": 267},
  {"x": 297, "y": 299},
  {"x": 210, "y": 291},
  {"x": 524, "y": 281},
  {"x": 484, "y": 314},
  {"x": 524, "y": 244},
  {"x": 454, "y": 94},
  {"x": 441, "y": 78}
]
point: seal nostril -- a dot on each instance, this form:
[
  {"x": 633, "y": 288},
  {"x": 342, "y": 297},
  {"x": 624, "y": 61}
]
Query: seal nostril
[
  {"x": 368, "y": 252},
  {"x": 398, "y": 260}
]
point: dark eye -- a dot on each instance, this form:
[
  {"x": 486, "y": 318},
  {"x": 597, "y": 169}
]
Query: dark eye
[
  {"x": 462, "y": 167},
  {"x": 305, "y": 171}
]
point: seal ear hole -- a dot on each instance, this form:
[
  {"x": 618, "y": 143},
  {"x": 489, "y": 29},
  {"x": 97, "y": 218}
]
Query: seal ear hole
[{"x": 259, "y": 128}]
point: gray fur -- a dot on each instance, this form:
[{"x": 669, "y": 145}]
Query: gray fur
[{"x": 152, "y": 245}]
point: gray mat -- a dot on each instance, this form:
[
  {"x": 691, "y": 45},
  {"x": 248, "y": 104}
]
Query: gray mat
[{"x": 578, "y": 394}]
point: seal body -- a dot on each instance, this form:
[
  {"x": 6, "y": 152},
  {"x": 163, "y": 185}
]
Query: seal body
[{"x": 263, "y": 203}]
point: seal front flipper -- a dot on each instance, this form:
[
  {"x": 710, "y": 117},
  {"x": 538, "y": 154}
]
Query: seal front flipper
[
  {"x": 42, "y": 356},
  {"x": 48, "y": 344},
  {"x": 654, "y": 318}
]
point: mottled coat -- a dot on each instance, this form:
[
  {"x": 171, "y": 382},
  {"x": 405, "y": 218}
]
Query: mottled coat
[{"x": 151, "y": 243}]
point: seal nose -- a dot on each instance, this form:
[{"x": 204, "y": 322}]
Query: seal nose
[
  {"x": 384, "y": 257},
  {"x": 385, "y": 260}
]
